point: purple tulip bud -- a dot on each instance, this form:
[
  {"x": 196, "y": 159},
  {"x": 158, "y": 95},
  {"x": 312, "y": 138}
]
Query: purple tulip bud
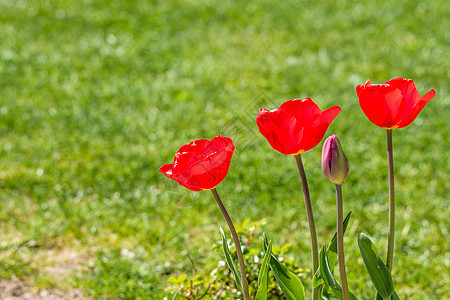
[{"x": 334, "y": 163}]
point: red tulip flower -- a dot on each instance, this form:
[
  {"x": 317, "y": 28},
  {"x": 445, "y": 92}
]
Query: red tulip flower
[
  {"x": 202, "y": 164},
  {"x": 394, "y": 104},
  {"x": 296, "y": 126}
]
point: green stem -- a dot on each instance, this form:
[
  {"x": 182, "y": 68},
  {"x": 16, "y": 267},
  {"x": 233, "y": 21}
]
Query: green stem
[
  {"x": 390, "y": 252},
  {"x": 236, "y": 243},
  {"x": 312, "y": 227},
  {"x": 340, "y": 243}
]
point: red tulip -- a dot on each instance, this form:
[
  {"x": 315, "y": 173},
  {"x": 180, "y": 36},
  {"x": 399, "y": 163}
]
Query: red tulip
[
  {"x": 296, "y": 126},
  {"x": 394, "y": 104},
  {"x": 202, "y": 164}
]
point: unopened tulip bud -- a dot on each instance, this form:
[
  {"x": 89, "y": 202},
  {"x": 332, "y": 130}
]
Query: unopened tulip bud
[{"x": 334, "y": 163}]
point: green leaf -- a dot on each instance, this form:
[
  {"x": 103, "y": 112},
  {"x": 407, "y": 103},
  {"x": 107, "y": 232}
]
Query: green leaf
[
  {"x": 393, "y": 297},
  {"x": 263, "y": 279},
  {"x": 317, "y": 279},
  {"x": 332, "y": 247},
  {"x": 172, "y": 280},
  {"x": 230, "y": 261},
  {"x": 244, "y": 224},
  {"x": 378, "y": 271},
  {"x": 182, "y": 278},
  {"x": 331, "y": 284},
  {"x": 327, "y": 275},
  {"x": 333, "y": 244},
  {"x": 331, "y": 254},
  {"x": 285, "y": 248},
  {"x": 325, "y": 293},
  {"x": 290, "y": 284}
]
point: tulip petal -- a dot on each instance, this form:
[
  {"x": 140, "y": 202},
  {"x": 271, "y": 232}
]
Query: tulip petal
[
  {"x": 187, "y": 181},
  {"x": 280, "y": 129},
  {"x": 314, "y": 132},
  {"x": 328, "y": 115},
  {"x": 410, "y": 95},
  {"x": 408, "y": 89},
  {"x": 166, "y": 170},
  {"x": 382, "y": 103},
  {"x": 416, "y": 110},
  {"x": 183, "y": 161},
  {"x": 194, "y": 146},
  {"x": 219, "y": 143},
  {"x": 189, "y": 154},
  {"x": 181, "y": 178},
  {"x": 428, "y": 96},
  {"x": 211, "y": 173},
  {"x": 304, "y": 110},
  {"x": 326, "y": 157}
]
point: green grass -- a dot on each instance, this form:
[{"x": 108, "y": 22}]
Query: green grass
[{"x": 96, "y": 95}]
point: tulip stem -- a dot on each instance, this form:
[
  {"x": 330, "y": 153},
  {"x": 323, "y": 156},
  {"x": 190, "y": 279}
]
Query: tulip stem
[
  {"x": 340, "y": 242},
  {"x": 236, "y": 243},
  {"x": 390, "y": 252},
  {"x": 312, "y": 227}
]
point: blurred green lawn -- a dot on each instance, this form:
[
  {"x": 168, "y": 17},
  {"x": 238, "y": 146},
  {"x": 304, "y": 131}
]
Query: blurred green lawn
[{"x": 97, "y": 95}]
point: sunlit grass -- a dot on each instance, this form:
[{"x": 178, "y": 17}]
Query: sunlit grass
[{"x": 96, "y": 95}]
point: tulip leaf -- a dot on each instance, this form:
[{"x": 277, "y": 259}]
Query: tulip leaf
[
  {"x": 331, "y": 254},
  {"x": 230, "y": 261},
  {"x": 317, "y": 279},
  {"x": 289, "y": 283},
  {"x": 378, "y": 271},
  {"x": 333, "y": 244},
  {"x": 394, "y": 296},
  {"x": 326, "y": 273},
  {"x": 325, "y": 293},
  {"x": 331, "y": 284},
  {"x": 263, "y": 279}
]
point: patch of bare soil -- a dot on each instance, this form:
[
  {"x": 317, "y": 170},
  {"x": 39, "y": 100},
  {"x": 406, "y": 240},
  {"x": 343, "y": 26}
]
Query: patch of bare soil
[
  {"x": 56, "y": 264},
  {"x": 15, "y": 290}
]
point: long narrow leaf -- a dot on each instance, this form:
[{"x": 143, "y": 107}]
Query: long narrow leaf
[
  {"x": 317, "y": 279},
  {"x": 325, "y": 293},
  {"x": 327, "y": 275},
  {"x": 263, "y": 279},
  {"x": 331, "y": 254},
  {"x": 289, "y": 283},
  {"x": 378, "y": 271},
  {"x": 230, "y": 261},
  {"x": 332, "y": 247},
  {"x": 394, "y": 296},
  {"x": 331, "y": 284},
  {"x": 333, "y": 244}
]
